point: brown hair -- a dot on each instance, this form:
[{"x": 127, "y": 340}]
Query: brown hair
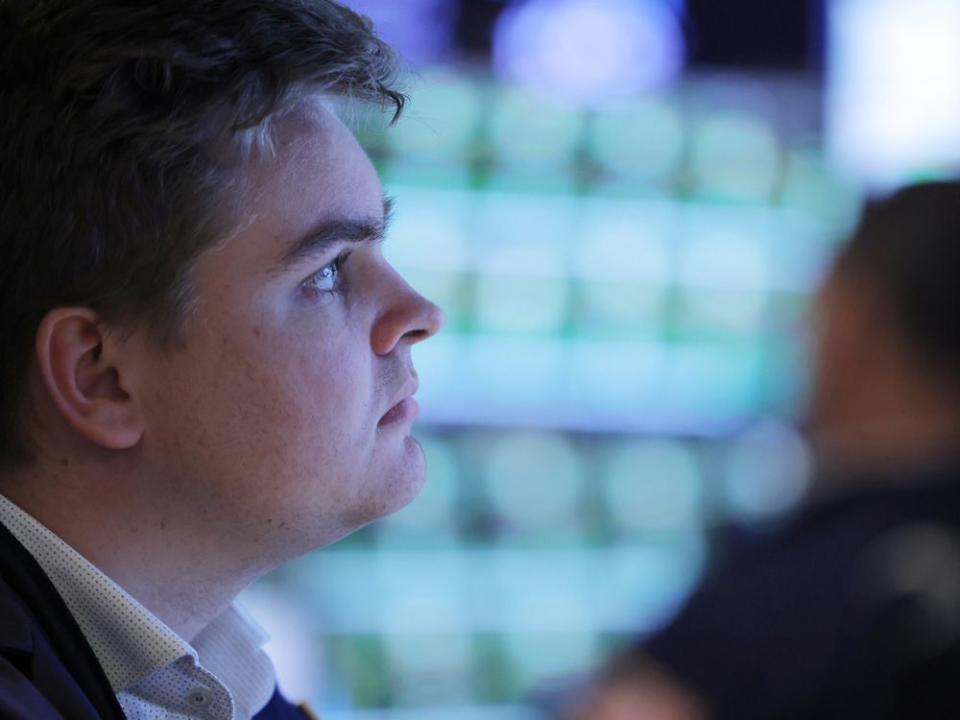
[{"x": 122, "y": 128}]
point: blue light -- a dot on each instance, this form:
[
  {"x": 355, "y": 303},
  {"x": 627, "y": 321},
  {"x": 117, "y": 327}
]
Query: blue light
[
  {"x": 768, "y": 471},
  {"x": 421, "y": 31},
  {"x": 587, "y": 51},
  {"x": 892, "y": 101}
]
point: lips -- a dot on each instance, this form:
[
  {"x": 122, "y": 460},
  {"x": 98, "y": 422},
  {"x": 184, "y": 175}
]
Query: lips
[
  {"x": 404, "y": 411},
  {"x": 405, "y": 408}
]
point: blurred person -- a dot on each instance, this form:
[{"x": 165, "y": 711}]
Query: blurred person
[
  {"x": 205, "y": 364},
  {"x": 851, "y": 609}
]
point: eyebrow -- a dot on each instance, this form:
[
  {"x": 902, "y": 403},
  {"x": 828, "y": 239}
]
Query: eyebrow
[{"x": 338, "y": 231}]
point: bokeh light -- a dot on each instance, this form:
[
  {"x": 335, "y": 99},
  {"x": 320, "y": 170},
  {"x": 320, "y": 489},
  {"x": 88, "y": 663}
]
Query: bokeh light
[
  {"x": 535, "y": 481},
  {"x": 893, "y": 101},
  {"x": 639, "y": 137},
  {"x": 654, "y": 486},
  {"x": 768, "y": 471},
  {"x": 589, "y": 50}
]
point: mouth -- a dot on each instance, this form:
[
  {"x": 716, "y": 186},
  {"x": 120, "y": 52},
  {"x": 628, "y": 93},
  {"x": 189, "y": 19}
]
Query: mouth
[{"x": 405, "y": 409}]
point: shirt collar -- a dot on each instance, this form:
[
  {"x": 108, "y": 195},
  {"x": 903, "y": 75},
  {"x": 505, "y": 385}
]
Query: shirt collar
[{"x": 132, "y": 643}]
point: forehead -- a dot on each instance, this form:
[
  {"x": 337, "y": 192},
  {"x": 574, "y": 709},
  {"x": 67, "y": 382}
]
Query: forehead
[
  {"x": 316, "y": 173},
  {"x": 314, "y": 156}
]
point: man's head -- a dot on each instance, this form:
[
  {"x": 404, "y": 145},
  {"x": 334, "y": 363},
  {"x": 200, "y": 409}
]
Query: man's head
[
  {"x": 191, "y": 282},
  {"x": 887, "y": 351}
]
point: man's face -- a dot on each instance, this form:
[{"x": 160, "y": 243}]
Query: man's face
[
  {"x": 284, "y": 418},
  {"x": 849, "y": 341},
  {"x": 830, "y": 326}
]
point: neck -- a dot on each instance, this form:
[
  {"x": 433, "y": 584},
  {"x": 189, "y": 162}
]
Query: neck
[{"x": 140, "y": 543}]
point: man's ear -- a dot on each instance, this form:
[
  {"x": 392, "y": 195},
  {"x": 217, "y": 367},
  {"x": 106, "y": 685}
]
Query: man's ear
[{"x": 82, "y": 370}]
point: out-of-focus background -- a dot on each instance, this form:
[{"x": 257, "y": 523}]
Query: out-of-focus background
[{"x": 623, "y": 207}]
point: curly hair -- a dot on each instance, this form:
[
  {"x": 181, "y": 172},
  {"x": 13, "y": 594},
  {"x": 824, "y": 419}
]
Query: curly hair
[{"x": 123, "y": 130}]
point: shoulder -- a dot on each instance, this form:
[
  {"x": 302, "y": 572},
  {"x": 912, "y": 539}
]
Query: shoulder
[
  {"x": 47, "y": 670},
  {"x": 855, "y": 549},
  {"x": 852, "y": 595},
  {"x": 20, "y": 699}
]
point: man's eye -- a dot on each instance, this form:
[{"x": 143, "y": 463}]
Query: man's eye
[{"x": 327, "y": 278}]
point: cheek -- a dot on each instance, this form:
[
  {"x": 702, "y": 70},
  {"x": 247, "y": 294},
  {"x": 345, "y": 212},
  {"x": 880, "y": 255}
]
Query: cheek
[
  {"x": 308, "y": 409},
  {"x": 265, "y": 405},
  {"x": 312, "y": 397}
]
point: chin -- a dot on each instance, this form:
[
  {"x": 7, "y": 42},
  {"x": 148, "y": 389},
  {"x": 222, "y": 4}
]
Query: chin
[
  {"x": 389, "y": 489},
  {"x": 404, "y": 483}
]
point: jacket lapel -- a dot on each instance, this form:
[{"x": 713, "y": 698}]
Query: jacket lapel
[{"x": 34, "y": 620}]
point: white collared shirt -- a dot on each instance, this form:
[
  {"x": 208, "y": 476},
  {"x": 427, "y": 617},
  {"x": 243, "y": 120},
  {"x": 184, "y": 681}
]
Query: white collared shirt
[{"x": 156, "y": 674}]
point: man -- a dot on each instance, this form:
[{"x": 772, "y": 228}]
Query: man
[
  {"x": 852, "y": 609},
  {"x": 205, "y": 366}
]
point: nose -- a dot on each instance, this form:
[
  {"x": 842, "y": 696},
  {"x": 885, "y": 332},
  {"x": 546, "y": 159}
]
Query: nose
[{"x": 408, "y": 319}]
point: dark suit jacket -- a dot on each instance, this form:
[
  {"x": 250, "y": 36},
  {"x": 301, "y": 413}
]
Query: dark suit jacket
[
  {"x": 850, "y": 611},
  {"x": 47, "y": 669}
]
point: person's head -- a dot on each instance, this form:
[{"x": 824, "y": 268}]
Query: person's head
[
  {"x": 887, "y": 346},
  {"x": 191, "y": 282}
]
